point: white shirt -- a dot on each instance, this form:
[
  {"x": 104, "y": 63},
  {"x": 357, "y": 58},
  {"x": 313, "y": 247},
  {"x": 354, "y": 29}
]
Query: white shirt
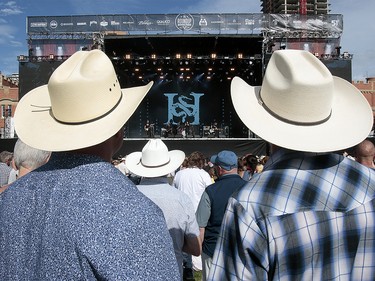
[{"x": 193, "y": 182}]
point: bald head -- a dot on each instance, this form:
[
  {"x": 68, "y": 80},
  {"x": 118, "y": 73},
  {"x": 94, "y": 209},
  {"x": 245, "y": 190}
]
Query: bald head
[{"x": 365, "y": 153}]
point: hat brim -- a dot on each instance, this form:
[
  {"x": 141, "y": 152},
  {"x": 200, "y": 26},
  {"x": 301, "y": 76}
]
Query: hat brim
[
  {"x": 36, "y": 126},
  {"x": 350, "y": 121},
  {"x": 134, "y": 164}
]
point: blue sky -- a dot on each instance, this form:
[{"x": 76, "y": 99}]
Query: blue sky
[{"x": 358, "y": 36}]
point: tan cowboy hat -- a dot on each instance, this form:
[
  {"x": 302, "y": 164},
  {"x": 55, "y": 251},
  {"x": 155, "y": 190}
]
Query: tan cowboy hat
[
  {"x": 301, "y": 106},
  {"x": 155, "y": 160},
  {"x": 81, "y": 106}
]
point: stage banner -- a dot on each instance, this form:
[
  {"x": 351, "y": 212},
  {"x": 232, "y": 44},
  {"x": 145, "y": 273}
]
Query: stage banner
[{"x": 328, "y": 25}]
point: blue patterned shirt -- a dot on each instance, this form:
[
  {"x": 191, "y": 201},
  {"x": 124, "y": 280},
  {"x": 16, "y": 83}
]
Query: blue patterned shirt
[
  {"x": 80, "y": 218},
  {"x": 305, "y": 217}
]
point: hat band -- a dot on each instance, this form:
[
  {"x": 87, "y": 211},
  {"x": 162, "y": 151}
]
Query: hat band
[
  {"x": 82, "y": 122},
  {"x": 262, "y": 103},
  {"x": 157, "y": 166}
]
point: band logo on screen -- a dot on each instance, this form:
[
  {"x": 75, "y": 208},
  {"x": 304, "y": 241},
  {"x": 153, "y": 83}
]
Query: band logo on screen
[{"x": 183, "y": 108}]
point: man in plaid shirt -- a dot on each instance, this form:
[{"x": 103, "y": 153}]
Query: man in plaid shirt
[{"x": 310, "y": 214}]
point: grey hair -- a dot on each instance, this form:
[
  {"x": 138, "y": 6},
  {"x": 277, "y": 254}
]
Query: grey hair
[
  {"x": 29, "y": 157},
  {"x": 5, "y": 156}
]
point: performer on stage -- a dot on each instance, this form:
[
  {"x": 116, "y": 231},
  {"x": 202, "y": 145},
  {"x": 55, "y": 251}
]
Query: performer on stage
[
  {"x": 214, "y": 129},
  {"x": 182, "y": 129},
  {"x": 167, "y": 129},
  {"x": 149, "y": 128},
  {"x": 188, "y": 128}
]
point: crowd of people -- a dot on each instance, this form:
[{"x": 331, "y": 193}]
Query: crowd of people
[{"x": 70, "y": 211}]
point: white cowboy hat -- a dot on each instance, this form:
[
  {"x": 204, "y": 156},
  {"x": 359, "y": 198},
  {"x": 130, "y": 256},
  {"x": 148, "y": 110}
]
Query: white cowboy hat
[
  {"x": 155, "y": 160},
  {"x": 301, "y": 106},
  {"x": 81, "y": 106}
]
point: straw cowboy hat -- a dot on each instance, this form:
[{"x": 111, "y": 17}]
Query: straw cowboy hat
[
  {"x": 301, "y": 106},
  {"x": 81, "y": 106},
  {"x": 155, "y": 160}
]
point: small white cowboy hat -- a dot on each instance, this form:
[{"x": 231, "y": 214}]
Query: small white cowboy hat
[
  {"x": 301, "y": 106},
  {"x": 82, "y": 105},
  {"x": 155, "y": 160}
]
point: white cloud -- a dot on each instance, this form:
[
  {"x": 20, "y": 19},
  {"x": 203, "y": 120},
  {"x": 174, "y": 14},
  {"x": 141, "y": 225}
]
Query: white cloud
[
  {"x": 6, "y": 32},
  {"x": 9, "y": 8},
  {"x": 16, "y": 43}
]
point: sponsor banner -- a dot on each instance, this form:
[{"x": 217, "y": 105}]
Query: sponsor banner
[
  {"x": 326, "y": 25},
  {"x": 332, "y": 25}
]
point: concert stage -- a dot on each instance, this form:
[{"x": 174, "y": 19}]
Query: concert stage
[{"x": 208, "y": 146}]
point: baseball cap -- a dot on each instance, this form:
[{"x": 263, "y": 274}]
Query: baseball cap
[{"x": 225, "y": 159}]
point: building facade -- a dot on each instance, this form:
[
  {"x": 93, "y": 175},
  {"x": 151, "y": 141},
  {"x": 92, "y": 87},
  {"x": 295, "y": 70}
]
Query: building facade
[
  {"x": 367, "y": 88},
  {"x": 8, "y": 104},
  {"x": 303, "y": 7}
]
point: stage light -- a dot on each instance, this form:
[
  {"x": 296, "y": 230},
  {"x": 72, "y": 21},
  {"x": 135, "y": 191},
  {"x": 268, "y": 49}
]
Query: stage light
[
  {"x": 140, "y": 77},
  {"x": 210, "y": 69},
  {"x": 232, "y": 69},
  {"x": 51, "y": 56},
  {"x": 213, "y": 56},
  {"x": 153, "y": 56},
  {"x": 159, "y": 69},
  {"x": 178, "y": 56},
  {"x": 189, "y": 56},
  {"x": 127, "y": 56},
  {"x": 239, "y": 56},
  {"x": 136, "y": 70}
]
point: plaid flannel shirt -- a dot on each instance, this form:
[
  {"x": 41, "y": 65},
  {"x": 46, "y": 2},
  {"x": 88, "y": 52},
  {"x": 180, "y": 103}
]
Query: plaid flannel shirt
[{"x": 308, "y": 216}]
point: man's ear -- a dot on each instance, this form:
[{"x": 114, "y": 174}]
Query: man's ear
[{"x": 13, "y": 165}]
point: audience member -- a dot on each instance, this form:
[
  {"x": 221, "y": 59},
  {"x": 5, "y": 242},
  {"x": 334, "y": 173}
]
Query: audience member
[
  {"x": 192, "y": 180},
  {"x": 241, "y": 167},
  {"x": 213, "y": 203},
  {"x": 364, "y": 153},
  {"x": 154, "y": 164},
  {"x": 5, "y": 166},
  {"x": 27, "y": 159},
  {"x": 250, "y": 161},
  {"x": 77, "y": 217},
  {"x": 310, "y": 214},
  {"x": 120, "y": 164}
]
